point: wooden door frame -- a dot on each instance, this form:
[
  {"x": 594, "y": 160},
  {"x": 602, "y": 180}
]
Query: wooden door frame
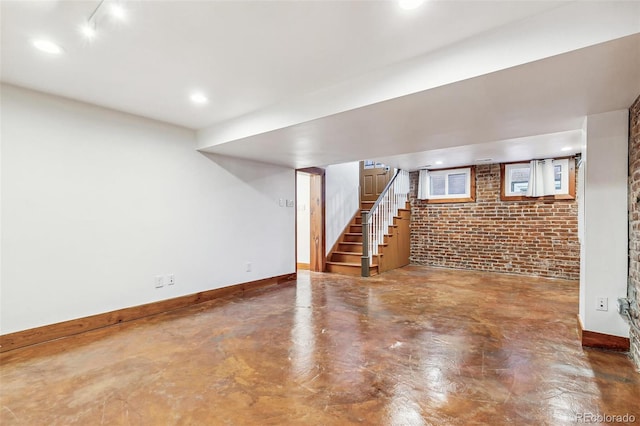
[{"x": 318, "y": 264}]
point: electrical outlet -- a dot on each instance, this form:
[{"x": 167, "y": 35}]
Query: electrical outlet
[
  {"x": 159, "y": 281},
  {"x": 248, "y": 266},
  {"x": 602, "y": 304},
  {"x": 171, "y": 279},
  {"x": 289, "y": 203},
  {"x": 281, "y": 202}
]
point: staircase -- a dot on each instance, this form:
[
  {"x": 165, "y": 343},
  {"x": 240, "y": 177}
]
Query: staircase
[
  {"x": 393, "y": 252},
  {"x": 384, "y": 244},
  {"x": 346, "y": 257}
]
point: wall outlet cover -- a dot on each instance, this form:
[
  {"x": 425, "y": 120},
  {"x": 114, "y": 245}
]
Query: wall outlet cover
[{"x": 602, "y": 304}]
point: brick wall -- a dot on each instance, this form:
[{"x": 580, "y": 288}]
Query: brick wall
[
  {"x": 522, "y": 237},
  {"x": 634, "y": 224}
]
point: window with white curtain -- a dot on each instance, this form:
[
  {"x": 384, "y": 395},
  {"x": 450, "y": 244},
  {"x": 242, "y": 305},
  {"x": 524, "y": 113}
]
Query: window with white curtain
[
  {"x": 451, "y": 185},
  {"x": 538, "y": 178}
]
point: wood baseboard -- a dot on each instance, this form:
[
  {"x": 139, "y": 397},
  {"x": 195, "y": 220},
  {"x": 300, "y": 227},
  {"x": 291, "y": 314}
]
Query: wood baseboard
[
  {"x": 593, "y": 339},
  {"x": 59, "y": 330},
  {"x": 304, "y": 266}
]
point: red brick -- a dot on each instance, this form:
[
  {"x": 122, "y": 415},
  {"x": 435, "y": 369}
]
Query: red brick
[
  {"x": 633, "y": 291},
  {"x": 525, "y": 237}
]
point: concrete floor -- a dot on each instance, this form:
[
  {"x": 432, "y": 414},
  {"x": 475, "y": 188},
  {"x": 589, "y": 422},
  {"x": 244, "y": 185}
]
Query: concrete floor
[{"x": 410, "y": 347}]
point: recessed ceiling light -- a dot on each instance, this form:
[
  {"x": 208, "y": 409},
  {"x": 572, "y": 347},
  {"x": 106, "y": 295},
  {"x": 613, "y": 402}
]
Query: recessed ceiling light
[
  {"x": 118, "y": 12},
  {"x": 88, "y": 30},
  {"x": 439, "y": 163},
  {"x": 198, "y": 98},
  {"x": 409, "y": 4},
  {"x": 47, "y": 46},
  {"x": 566, "y": 148}
]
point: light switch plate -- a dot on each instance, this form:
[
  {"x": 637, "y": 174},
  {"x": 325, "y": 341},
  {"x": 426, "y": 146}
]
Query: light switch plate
[{"x": 159, "y": 281}]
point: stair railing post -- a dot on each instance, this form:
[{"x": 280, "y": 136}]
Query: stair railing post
[{"x": 365, "y": 244}]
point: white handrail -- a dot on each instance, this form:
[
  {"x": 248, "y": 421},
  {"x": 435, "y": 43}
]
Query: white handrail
[{"x": 376, "y": 222}]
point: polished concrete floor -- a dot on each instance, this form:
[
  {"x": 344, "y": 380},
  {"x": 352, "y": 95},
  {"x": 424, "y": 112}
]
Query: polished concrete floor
[{"x": 410, "y": 347}]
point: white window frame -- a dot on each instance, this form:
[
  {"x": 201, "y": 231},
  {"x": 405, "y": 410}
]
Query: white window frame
[
  {"x": 564, "y": 177},
  {"x": 507, "y": 178},
  {"x": 446, "y": 173}
]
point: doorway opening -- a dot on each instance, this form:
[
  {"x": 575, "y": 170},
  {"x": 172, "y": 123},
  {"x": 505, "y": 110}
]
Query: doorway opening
[{"x": 310, "y": 217}]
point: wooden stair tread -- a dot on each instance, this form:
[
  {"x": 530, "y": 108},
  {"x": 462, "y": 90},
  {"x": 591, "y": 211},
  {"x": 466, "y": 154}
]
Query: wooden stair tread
[
  {"x": 354, "y": 253},
  {"x": 359, "y": 243},
  {"x": 347, "y": 257},
  {"x": 357, "y": 265}
]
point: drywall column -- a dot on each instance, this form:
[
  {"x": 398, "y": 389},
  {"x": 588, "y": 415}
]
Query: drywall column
[
  {"x": 580, "y": 194},
  {"x": 605, "y": 241}
]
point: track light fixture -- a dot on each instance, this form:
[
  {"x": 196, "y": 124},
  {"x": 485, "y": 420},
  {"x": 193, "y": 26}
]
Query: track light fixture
[{"x": 113, "y": 9}]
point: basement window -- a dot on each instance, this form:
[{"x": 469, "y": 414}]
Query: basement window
[
  {"x": 447, "y": 186},
  {"x": 514, "y": 179}
]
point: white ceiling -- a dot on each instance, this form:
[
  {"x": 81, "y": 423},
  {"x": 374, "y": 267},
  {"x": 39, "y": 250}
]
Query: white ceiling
[{"x": 311, "y": 83}]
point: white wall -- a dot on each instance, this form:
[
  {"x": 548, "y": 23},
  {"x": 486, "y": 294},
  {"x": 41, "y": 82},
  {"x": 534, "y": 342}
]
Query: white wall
[
  {"x": 95, "y": 203},
  {"x": 605, "y": 241},
  {"x": 303, "y": 199},
  {"x": 342, "y": 198},
  {"x": 580, "y": 195}
]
